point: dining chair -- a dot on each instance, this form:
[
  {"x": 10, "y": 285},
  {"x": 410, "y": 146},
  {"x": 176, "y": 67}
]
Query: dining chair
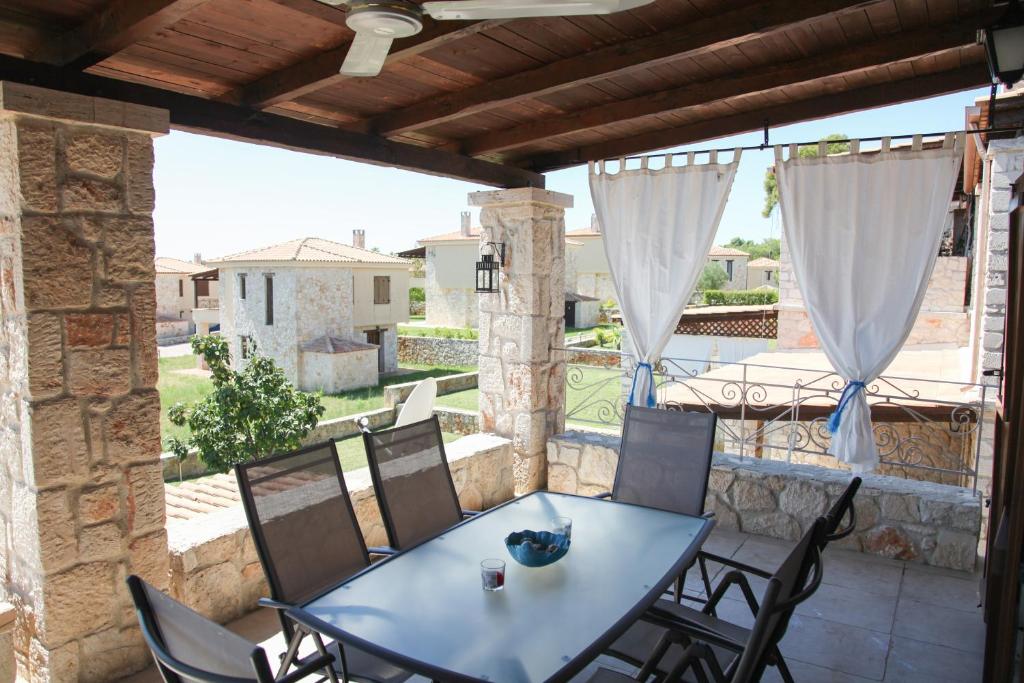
[
  {"x": 414, "y": 485},
  {"x": 671, "y": 646},
  {"x": 189, "y": 647},
  {"x": 308, "y": 539},
  {"x": 665, "y": 462}
]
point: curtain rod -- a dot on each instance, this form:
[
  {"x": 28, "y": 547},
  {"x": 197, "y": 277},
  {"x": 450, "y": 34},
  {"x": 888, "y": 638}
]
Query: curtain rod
[{"x": 766, "y": 145}]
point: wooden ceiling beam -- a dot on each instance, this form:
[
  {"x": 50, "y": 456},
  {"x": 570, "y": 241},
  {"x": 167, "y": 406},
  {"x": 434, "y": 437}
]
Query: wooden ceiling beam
[
  {"x": 924, "y": 41},
  {"x": 736, "y": 26},
  {"x": 224, "y": 120},
  {"x": 315, "y": 8},
  {"x": 322, "y": 70},
  {"x": 118, "y": 25},
  {"x": 895, "y": 92}
]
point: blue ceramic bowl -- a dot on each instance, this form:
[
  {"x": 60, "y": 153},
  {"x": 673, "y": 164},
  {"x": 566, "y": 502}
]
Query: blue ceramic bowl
[{"x": 536, "y": 548}]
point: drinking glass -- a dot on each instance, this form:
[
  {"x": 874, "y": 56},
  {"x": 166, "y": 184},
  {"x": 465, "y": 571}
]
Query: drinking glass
[{"x": 492, "y": 574}]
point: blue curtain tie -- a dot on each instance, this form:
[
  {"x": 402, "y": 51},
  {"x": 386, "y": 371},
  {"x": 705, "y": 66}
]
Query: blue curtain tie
[
  {"x": 651, "y": 400},
  {"x": 851, "y": 389}
]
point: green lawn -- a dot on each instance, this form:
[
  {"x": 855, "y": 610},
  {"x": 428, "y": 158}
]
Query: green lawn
[
  {"x": 443, "y": 332},
  {"x": 591, "y": 393},
  {"x": 175, "y": 387}
]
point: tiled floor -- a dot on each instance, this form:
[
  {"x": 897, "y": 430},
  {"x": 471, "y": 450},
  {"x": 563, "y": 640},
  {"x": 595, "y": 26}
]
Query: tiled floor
[{"x": 871, "y": 619}]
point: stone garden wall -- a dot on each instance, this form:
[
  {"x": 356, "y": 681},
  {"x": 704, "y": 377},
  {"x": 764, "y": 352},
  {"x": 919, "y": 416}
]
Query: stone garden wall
[
  {"x": 907, "y": 520},
  {"x": 602, "y": 358},
  {"x": 449, "y": 384},
  {"x": 438, "y": 351},
  {"x": 214, "y": 567}
]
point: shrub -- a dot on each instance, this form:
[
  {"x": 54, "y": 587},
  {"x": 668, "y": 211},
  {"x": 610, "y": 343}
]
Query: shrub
[
  {"x": 712, "y": 277},
  {"x": 417, "y": 294},
  {"x": 250, "y": 414},
  {"x": 609, "y": 305},
  {"x": 743, "y": 297}
]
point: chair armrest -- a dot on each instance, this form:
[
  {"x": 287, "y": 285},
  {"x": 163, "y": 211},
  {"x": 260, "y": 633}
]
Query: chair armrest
[
  {"x": 606, "y": 494},
  {"x": 732, "y": 577},
  {"x": 708, "y": 515},
  {"x": 315, "y": 664},
  {"x": 729, "y": 562},
  {"x": 274, "y": 604},
  {"x": 470, "y": 513},
  {"x": 381, "y": 550}
]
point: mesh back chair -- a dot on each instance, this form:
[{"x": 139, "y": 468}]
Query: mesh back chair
[
  {"x": 699, "y": 643},
  {"x": 190, "y": 647},
  {"x": 414, "y": 485},
  {"x": 307, "y": 538}
]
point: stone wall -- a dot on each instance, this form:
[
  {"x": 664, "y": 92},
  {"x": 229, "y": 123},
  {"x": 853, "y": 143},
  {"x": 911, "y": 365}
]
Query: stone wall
[
  {"x": 449, "y": 384},
  {"x": 213, "y": 563},
  {"x": 438, "y": 351},
  {"x": 907, "y": 520},
  {"x": 602, "y": 358},
  {"x": 332, "y": 373},
  {"x": 458, "y": 421},
  {"x": 81, "y": 491}
]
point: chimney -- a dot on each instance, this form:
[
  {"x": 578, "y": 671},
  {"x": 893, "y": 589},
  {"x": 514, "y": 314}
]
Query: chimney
[
  {"x": 197, "y": 258},
  {"x": 467, "y": 219},
  {"x": 594, "y": 225},
  {"x": 359, "y": 239}
]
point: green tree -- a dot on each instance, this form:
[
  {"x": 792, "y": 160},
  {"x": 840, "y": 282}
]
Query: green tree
[
  {"x": 769, "y": 247},
  {"x": 250, "y": 414},
  {"x": 838, "y": 143},
  {"x": 712, "y": 277}
]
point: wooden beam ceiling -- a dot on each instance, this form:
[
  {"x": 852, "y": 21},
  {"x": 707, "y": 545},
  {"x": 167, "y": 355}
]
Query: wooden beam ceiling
[
  {"x": 924, "y": 41},
  {"x": 694, "y": 38},
  {"x": 224, "y": 120},
  {"x": 894, "y": 92},
  {"x": 322, "y": 70},
  {"x": 317, "y": 9}
]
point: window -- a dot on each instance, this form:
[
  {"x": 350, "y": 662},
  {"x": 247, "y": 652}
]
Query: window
[
  {"x": 244, "y": 343},
  {"x": 241, "y": 285},
  {"x": 769, "y": 274},
  {"x": 728, "y": 269},
  {"x": 269, "y": 280},
  {"x": 382, "y": 289},
  {"x": 181, "y": 288}
]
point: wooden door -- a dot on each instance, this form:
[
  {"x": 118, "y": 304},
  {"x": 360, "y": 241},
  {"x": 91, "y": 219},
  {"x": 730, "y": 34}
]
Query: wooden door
[
  {"x": 374, "y": 337},
  {"x": 1003, "y": 567}
]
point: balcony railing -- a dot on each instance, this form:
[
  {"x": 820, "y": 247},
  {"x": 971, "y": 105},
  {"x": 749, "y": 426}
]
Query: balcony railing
[
  {"x": 927, "y": 429},
  {"x": 208, "y": 302}
]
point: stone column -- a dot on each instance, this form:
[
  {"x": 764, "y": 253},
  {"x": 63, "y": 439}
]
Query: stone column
[
  {"x": 522, "y": 377},
  {"x": 81, "y": 491}
]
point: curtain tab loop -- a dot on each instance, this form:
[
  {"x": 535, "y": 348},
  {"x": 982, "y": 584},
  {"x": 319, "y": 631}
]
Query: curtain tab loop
[
  {"x": 713, "y": 157},
  {"x": 649, "y": 369},
  {"x": 591, "y": 167},
  {"x": 849, "y": 391},
  {"x": 690, "y": 158},
  {"x": 886, "y": 141},
  {"x": 855, "y": 146},
  {"x": 737, "y": 153}
]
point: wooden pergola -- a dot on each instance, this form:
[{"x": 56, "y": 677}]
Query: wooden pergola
[{"x": 497, "y": 102}]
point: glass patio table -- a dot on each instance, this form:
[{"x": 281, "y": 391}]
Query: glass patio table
[{"x": 424, "y": 609}]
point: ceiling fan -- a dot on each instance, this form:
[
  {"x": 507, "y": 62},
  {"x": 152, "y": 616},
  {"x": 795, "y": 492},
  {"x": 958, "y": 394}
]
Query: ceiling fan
[{"x": 379, "y": 22}]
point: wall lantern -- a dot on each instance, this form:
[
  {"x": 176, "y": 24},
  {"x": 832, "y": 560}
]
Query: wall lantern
[
  {"x": 1004, "y": 45},
  {"x": 487, "y": 267}
]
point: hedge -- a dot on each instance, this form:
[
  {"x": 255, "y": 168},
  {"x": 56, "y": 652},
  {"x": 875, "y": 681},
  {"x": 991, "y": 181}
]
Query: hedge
[{"x": 742, "y": 297}]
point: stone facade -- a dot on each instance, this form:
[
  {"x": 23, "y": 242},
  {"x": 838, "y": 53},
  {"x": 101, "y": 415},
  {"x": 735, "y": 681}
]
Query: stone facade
[
  {"x": 522, "y": 379},
  {"x": 332, "y": 373},
  {"x": 738, "y": 280},
  {"x": 213, "y": 563},
  {"x": 906, "y": 520},
  {"x": 81, "y": 491},
  {"x": 438, "y": 351},
  {"x": 449, "y": 286}
]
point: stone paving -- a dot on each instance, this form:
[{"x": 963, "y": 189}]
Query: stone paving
[{"x": 872, "y": 619}]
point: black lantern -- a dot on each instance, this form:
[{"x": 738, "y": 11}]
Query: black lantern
[
  {"x": 1004, "y": 45},
  {"x": 487, "y": 268}
]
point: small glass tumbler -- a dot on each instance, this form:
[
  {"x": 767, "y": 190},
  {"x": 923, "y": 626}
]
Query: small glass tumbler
[
  {"x": 492, "y": 574},
  {"x": 562, "y": 525}
]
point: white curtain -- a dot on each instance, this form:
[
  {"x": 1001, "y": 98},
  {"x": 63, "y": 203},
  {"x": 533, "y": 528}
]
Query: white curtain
[
  {"x": 658, "y": 226},
  {"x": 863, "y": 232}
]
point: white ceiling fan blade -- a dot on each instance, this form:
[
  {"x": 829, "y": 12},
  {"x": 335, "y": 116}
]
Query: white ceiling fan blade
[
  {"x": 366, "y": 55},
  {"x": 514, "y": 9}
]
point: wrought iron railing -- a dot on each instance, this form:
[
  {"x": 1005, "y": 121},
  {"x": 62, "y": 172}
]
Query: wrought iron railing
[{"x": 927, "y": 429}]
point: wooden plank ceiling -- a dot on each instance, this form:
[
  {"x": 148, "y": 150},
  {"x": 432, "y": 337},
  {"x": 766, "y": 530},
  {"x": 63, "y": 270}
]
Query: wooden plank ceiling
[{"x": 498, "y": 102}]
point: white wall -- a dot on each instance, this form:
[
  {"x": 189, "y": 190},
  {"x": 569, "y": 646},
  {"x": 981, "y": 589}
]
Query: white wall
[
  {"x": 450, "y": 284},
  {"x": 365, "y": 312}
]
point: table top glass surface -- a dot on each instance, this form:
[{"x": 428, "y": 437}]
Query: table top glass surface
[{"x": 427, "y": 604}]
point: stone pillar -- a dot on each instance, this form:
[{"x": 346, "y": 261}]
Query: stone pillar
[
  {"x": 81, "y": 491},
  {"x": 522, "y": 377}
]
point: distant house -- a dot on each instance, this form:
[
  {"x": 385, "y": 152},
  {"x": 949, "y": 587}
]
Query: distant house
[
  {"x": 326, "y": 312},
  {"x": 763, "y": 272},
  {"x": 177, "y": 295},
  {"x": 733, "y": 262},
  {"x": 593, "y": 276}
]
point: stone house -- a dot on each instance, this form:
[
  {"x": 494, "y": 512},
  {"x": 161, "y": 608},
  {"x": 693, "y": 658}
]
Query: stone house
[
  {"x": 734, "y": 263},
  {"x": 763, "y": 272},
  {"x": 327, "y": 313},
  {"x": 593, "y": 276},
  {"x": 176, "y": 296}
]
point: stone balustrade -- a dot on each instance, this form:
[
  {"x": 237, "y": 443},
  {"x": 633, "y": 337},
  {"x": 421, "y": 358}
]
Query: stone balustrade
[
  {"x": 214, "y": 566},
  {"x": 896, "y": 518}
]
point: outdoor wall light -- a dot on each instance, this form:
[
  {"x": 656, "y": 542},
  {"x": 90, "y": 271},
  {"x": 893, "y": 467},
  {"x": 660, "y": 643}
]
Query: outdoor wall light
[
  {"x": 487, "y": 267},
  {"x": 1004, "y": 45}
]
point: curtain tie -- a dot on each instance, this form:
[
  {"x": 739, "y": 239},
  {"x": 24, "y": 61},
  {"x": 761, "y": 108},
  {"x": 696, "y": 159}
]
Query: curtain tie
[
  {"x": 851, "y": 389},
  {"x": 644, "y": 365}
]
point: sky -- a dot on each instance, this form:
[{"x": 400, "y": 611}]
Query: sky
[{"x": 220, "y": 197}]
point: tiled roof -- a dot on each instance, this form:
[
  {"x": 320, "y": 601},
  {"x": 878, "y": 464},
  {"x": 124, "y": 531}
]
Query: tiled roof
[
  {"x": 474, "y": 235},
  {"x": 166, "y": 264},
  {"x": 763, "y": 262},
  {"x": 726, "y": 251},
  {"x": 311, "y": 250},
  {"x": 329, "y": 344},
  {"x": 583, "y": 232},
  {"x": 197, "y": 497}
]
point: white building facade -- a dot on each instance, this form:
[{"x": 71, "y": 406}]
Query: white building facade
[{"x": 176, "y": 296}]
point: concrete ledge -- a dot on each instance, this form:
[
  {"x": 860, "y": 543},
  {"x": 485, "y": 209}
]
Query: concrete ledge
[
  {"x": 896, "y": 518},
  {"x": 449, "y": 384}
]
